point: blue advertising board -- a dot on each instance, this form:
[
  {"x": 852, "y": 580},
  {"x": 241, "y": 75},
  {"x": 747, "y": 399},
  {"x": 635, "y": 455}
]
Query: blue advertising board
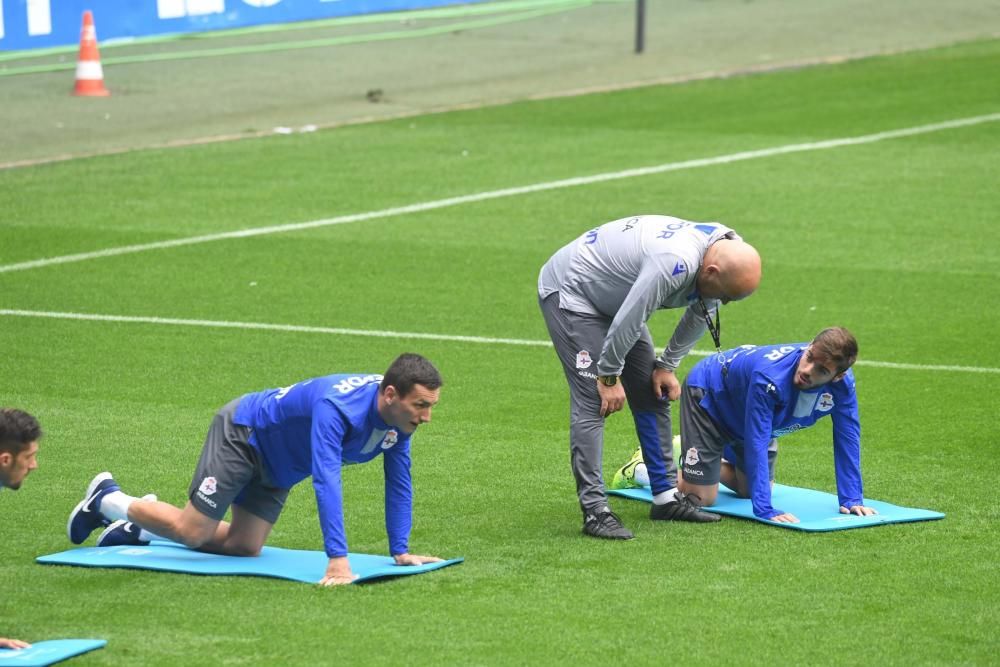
[{"x": 32, "y": 24}]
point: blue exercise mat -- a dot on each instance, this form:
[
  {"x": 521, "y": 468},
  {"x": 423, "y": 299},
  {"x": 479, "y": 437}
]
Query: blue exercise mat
[
  {"x": 816, "y": 510},
  {"x": 296, "y": 565},
  {"x": 48, "y": 652}
]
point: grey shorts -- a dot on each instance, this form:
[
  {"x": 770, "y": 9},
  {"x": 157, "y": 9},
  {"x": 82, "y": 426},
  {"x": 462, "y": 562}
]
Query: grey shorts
[
  {"x": 704, "y": 443},
  {"x": 230, "y": 472}
]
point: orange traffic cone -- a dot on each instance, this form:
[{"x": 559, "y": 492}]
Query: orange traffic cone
[{"x": 89, "y": 74}]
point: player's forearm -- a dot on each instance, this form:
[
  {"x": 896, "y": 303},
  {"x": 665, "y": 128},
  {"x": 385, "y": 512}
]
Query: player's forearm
[
  {"x": 687, "y": 333},
  {"x": 331, "y": 521}
]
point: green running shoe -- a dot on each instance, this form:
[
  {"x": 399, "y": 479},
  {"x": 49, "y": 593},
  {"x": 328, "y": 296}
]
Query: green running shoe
[{"x": 625, "y": 476}]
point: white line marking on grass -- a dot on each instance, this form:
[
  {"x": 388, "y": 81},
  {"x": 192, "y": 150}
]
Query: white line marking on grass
[
  {"x": 506, "y": 192},
  {"x": 292, "y": 328},
  {"x": 336, "y": 331}
]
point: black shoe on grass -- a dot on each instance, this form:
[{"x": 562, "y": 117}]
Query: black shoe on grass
[
  {"x": 682, "y": 508},
  {"x": 606, "y": 525}
]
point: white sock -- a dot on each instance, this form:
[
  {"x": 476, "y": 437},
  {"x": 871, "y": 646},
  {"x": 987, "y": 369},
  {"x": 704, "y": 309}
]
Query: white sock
[
  {"x": 665, "y": 497},
  {"x": 641, "y": 475},
  {"x": 144, "y": 534},
  {"x": 115, "y": 505},
  {"x": 147, "y": 536}
]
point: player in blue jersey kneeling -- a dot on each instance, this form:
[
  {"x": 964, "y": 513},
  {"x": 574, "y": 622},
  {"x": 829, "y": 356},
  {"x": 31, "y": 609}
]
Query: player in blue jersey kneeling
[
  {"x": 262, "y": 444},
  {"x": 735, "y": 406}
]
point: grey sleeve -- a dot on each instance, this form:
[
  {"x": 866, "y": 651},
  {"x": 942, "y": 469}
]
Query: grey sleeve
[
  {"x": 648, "y": 292},
  {"x": 687, "y": 333}
]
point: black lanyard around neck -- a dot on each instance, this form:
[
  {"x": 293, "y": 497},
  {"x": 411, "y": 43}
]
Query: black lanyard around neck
[{"x": 714, "y": 328}]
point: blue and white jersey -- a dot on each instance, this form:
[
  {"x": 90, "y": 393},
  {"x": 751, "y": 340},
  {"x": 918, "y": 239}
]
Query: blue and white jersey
[
  {"x": 315, "y": 427},
  {"x": 755, "y": 400}
]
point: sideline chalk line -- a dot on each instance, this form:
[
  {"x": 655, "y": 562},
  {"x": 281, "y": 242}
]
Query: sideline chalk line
[
  {"x": 294, "y": 328},
  {"x": 507, "y": 192}
]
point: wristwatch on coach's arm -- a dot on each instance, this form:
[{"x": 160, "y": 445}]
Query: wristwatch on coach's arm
[{"x": 608, "y": 380}]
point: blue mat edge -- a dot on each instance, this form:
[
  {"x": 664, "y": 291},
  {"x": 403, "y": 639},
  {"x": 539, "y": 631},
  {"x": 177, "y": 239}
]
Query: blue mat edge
[
  {"x": 643, "y": 495},
  {"x": 52, "y": 559},
  {"x": 81, "y": 646},
  {"x": 48, "y": 559},
  {"x": 426, "y": 567}
]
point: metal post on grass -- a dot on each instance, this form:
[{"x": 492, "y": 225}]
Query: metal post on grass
[{"x": 640, "y": 25}]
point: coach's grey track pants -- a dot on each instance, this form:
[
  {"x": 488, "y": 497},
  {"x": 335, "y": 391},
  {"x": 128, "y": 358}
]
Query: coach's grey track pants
[{"x": 578, "y": 339}]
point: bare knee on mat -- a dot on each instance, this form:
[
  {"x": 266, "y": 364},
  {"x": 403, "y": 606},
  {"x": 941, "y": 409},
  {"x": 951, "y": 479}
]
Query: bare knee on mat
[
  {"x": 246, "y": 550},
  {"x": 705, "y": 495},
  {"x": 193, "y": 536}
]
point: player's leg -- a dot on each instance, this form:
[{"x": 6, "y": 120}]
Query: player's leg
[
  {"x": 106, "y": 505},
  {"x": 577, "y": 339},
  {"x": 226, "y": 466},
  {"x": 244, "y": 536},
  {"x": 651, "y": 416},
  {"x": 255, "y": 511},
  {"x": 701, "y": 449},
  {"x": 730, "y": 475},
  {"x": 733, "y": 470},
  {"x": 188, "y": 526}
]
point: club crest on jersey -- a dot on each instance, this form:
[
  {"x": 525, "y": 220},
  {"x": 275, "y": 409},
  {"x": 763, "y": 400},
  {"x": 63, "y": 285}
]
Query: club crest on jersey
[
  {"x": 583, "y": 359},
  {"x": 825, "y": 402},
  {"x": 208, "y": 486},
  {"x": 691, "y": 458},
  {"x": 391, "y": 436}
]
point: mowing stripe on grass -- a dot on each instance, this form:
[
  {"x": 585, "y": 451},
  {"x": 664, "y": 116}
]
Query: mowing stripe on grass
[
  {"x": 508, "y": 192},
  {"x": 336, "y": 331}
]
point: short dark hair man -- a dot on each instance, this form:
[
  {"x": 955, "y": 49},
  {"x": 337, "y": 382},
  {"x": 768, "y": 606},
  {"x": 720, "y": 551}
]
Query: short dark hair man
[
  {"x": 19, "y": 436},
  {"x": 262, "y": 444}
]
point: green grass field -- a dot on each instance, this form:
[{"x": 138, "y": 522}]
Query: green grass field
[{"x": 895, "y": 239}]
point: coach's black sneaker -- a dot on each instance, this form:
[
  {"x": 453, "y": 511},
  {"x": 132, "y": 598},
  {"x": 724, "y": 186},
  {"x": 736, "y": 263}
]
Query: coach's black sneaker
[
  {"x": 605, "y": 524},
  {"x": 681, "y": 508}
]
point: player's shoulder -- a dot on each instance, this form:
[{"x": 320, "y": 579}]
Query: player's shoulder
[
  {"x": 764, "y": 381},
  {"x": 773, "y": 367},
  {"x": 349, "y": 397},
  {"x": 350, "y": 388},
  {"x": 779, "y": 359}
]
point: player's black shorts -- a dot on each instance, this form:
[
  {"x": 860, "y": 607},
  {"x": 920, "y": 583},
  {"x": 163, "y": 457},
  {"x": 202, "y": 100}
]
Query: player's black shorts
[
  {"x": 704, "y": 443},
  {"x": 230, "y": 472}
]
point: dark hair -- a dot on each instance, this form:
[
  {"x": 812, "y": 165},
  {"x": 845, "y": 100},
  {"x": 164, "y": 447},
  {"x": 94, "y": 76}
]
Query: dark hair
[
  {"x": 410, "y": 369},
  {"x": 838, "y": 345},
  {"x": 17, "y": 430}
]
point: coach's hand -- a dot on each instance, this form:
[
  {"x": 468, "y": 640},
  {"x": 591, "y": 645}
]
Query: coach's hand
[
  {"x": 338, "y": 572},
  {"x": 612, "y": 398},
  {"x": 665, "y": 384}
]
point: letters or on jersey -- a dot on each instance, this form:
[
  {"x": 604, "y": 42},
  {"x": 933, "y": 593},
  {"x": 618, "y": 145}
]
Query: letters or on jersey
[
  {"x": 756, "y": 400},
  {"x": 315, "y": 427},
  {"x": 627, "y": 269}
]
